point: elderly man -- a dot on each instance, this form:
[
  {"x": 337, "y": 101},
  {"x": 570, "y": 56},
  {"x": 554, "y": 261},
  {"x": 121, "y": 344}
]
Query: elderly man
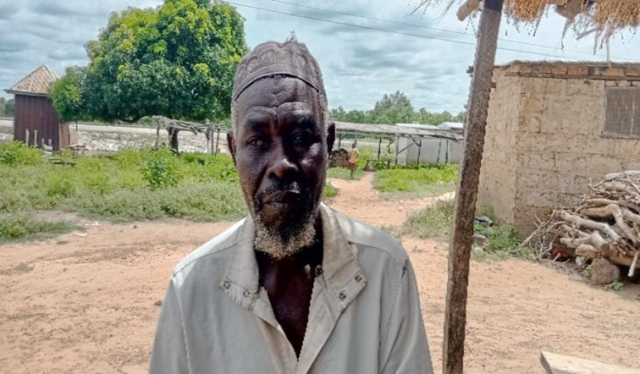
[{"x": 295, "y": 287}]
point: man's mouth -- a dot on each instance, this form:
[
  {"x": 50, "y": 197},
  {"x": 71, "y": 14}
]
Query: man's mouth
[{"x": 282, "y": 199}]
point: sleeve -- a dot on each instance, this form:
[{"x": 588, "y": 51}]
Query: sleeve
[
  {"x": 169, "y": 355},
  {"x": 407, "y": 339}
]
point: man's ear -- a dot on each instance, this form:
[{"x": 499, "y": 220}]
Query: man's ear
[
  {"x": 331, "y": 136},
  {"x": 231, "y": 144}
]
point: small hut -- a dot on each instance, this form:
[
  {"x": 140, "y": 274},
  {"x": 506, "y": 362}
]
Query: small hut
[{"x": 36, "y": 122}]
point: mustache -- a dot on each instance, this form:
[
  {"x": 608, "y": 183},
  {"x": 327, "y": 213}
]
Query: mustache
[{"x": 281, "y": 187}]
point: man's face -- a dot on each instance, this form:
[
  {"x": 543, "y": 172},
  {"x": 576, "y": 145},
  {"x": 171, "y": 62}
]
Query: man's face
[{"x": 280, "y": 149}]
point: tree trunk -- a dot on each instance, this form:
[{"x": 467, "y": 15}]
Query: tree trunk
[{"x": 467, "y": 194}]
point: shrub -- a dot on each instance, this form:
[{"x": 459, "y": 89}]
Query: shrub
[
  {"x": 160, "y": 169},
  {"x": 330, "y": 191},
  {"x": 21, "y": 226},
  {"x": 16, "y": 153}
]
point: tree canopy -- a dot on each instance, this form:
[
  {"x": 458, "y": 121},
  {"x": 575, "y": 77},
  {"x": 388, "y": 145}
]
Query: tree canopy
[
  {"x": 177, "y": 60},
  {"x": 67, "y": 95},
  {"x": 7, "y": 107},
  {"x": 393, "y": 109}
]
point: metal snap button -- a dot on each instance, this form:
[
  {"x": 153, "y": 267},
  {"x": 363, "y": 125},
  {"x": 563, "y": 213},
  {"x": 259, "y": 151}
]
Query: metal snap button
[
  {"x": 227, "y": 284},
  {"x": 342, "y": 296}
]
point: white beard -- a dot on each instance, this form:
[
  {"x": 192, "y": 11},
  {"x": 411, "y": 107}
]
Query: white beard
[{"x": 272, "y": 242}]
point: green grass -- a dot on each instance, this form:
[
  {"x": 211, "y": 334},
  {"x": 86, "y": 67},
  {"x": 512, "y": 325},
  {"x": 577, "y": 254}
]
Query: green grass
[
  {"x": 343, "y": 173},
  {"x": 15, "y": 227},
  {"x": 330, "y": 191},
  {"x": 436, "y": 221},
  {"x": 431, "y": 223},
  {"x": 127, "y": 186},
  {"x": 415, "y": 182}
]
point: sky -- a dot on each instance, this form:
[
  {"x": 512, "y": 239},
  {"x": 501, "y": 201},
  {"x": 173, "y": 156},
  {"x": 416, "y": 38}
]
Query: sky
[{"x": 366, "y": 48}]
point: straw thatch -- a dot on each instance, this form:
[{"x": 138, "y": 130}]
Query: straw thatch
[{"x": 602, "y": 17}]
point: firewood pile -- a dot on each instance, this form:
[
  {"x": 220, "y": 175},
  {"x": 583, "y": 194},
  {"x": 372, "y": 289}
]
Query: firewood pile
[{"x": 604, "y": 229}]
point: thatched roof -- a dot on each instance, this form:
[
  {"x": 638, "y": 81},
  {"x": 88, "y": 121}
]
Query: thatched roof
[
  {"x": 603, "y": 17},
  {"x": 37, "y": 83}
]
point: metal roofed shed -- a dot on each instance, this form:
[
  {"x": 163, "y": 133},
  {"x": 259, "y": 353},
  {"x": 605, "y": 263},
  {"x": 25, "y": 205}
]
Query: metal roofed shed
[
  {"x": 405, "y": 137},
  {"x": 36, "y": 122},
  {"x": 432, "y": 150}
]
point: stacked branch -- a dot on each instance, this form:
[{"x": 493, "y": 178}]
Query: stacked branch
[{"x": 605, "y": 225}]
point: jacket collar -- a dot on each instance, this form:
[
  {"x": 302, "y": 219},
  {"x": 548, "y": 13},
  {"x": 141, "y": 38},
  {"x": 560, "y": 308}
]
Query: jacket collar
[{"x": 342, "y": 274}]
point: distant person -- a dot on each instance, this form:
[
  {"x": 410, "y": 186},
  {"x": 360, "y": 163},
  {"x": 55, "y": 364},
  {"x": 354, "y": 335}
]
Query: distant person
[
  {"x": 295, "y": 287},
  {"x": 354, "y": 154}
]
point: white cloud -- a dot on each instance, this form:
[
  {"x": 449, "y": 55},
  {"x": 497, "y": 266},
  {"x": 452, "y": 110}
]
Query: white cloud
[{"x": 359, "y": 64}]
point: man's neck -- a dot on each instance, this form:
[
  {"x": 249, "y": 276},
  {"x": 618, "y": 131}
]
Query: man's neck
[{"x": 289, "y": 284}]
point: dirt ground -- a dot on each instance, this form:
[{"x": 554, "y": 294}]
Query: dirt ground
[{"x": 87, "y": 302}]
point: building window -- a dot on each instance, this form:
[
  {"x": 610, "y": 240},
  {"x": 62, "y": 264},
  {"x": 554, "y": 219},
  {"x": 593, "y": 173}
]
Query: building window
[{"x": 623, "y": 112}]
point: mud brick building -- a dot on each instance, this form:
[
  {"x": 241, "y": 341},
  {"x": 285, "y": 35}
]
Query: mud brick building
[{"x": 554, "y": 128}]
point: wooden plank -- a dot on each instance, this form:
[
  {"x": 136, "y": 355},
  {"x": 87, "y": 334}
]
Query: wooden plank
[
  {"x": 559, "y": 364},
  {"x": 467, "y": 193},
  {"x": 467, "y": 8}
]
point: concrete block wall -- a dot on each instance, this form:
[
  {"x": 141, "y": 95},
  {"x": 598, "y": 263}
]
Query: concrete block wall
[{"x": 556, "y": 148}]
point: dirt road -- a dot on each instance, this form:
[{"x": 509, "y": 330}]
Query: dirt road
[{"x": 88, "y": 302}]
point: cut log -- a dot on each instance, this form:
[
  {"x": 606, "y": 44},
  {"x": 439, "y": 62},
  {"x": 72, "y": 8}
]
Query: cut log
[
  {"x": 593, "y": 225},
  {"x": 628, "y": 173},
  {"x": 588, "y": 251},
  {"x": 613, "y": 210},
  {"x": 604, "y": 202}
]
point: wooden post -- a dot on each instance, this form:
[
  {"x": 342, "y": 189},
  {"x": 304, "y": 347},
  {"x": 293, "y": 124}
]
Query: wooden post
[
  {"x": 173, "y": 135},
  {"x": 217, "y": 142},
  {"x": 419, "y": 150},
  {"x": 379, "y": 148},
  {"x": 397, "y": 147},
  {"x": 467, "y": 193}
]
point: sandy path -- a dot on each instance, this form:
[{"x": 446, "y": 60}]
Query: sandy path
[
  {"x": 358, "y": 200},
  {"x": 87, "y": 304}
]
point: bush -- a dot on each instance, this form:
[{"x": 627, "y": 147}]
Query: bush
[
  {"x": 21, "y": 226},
  {"x": 16, "y": 153},
  {"x": 160, "y": 169},
  {"x": 330, "y": 191},
  {"x": 504, "y": 241}
]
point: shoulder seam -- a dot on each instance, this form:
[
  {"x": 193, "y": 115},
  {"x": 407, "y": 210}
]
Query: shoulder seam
[
  {"x": 400, "y": 261},
  {"x": 175, "y": 272}
]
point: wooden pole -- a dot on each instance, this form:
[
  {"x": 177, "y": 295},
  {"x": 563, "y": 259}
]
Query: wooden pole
[
  {"x": 217, "y": 142},
  {"x": 397, "y": 147},
  {"x": 379, "y": 148},
  {"x": 467, "y": 194}
]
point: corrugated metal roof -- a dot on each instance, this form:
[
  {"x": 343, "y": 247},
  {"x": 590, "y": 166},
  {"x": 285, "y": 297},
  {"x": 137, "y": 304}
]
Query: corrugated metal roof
[
  {"x": 392, "y": 131},
  {"x": 37, "y": 83}
]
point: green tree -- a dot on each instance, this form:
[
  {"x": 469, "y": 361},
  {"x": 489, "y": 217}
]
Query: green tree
[
  {"x": 392, "y": 109},
  {"x": 67, "y": 95},
  {"x": 10, "y": 106},
  {"x": 3, "y": 104},
  {"x": 178, "y": 60}
]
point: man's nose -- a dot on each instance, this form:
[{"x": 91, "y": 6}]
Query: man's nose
[{"x": 282, "y": 165}]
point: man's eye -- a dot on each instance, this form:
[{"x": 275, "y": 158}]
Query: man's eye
[
  {"x": 256, "y": 142},
  {"x": 303, "y": 139}
]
